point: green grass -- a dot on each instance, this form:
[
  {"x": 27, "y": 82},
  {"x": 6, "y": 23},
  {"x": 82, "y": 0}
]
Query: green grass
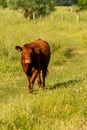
[{"x": 63, "y": 103}]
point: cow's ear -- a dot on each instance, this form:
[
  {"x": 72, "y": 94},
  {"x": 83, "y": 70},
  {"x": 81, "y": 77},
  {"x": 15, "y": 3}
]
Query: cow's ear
[{"x": 18, "y": 48}]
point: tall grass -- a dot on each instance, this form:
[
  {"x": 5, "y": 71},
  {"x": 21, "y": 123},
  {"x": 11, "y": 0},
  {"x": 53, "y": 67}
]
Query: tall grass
[{"x": 63, "y": 103}]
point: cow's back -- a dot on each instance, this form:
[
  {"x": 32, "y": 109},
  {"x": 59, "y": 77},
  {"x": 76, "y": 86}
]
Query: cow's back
[
  {"x": 43, "y": 46},
  {"x": 45, "y": 51}
]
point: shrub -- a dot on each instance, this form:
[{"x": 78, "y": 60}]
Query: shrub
[
  {"x": 3, "y": 3},
  {"x": 33, "y": 8}
]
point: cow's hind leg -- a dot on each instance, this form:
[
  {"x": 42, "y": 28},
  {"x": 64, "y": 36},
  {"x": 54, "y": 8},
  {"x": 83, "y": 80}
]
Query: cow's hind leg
[
  {"x": 39, "y": 80},
  {"x": 44, "y": 72}
]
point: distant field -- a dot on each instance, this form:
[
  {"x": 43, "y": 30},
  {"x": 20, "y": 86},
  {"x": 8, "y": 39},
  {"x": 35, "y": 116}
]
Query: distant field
[{"x": 63, "y": 103}]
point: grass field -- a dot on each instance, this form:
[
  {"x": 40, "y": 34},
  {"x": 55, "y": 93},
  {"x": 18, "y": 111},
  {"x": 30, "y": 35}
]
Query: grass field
[{"x": 63, "y": 103}]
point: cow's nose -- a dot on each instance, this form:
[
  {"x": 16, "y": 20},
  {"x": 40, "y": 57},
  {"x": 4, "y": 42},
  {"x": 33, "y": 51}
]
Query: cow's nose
[{"x": 28, "y": 61}]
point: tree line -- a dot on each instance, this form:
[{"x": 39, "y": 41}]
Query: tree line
[
  {"x": 80, "y": 3},
  {"x": 66, "y": 2},
  {"x": 30, "y": 8},
  {"x": 36, "y": 8}
]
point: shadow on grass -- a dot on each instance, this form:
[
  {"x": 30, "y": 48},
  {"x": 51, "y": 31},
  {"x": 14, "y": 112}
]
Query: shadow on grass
[
  {"x": 58, "y": 85},
  {"x": 65, "y": 84}
]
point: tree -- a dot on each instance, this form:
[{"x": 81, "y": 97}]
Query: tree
[
  {"x": 33, "y": 8},
  {"x": 82, "y": 4},
  {"x": 3, "y": 3}
]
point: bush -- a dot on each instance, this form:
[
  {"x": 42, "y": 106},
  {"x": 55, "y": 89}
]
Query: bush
[
  {"x": 33, "y": 8},
  {"x": 3, "y": 3},
  {"x": 82, "y": 4}
]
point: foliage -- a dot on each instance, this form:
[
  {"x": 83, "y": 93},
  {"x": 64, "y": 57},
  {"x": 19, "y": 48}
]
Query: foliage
[
  {"x": 82, "y": 4},
  {"x": 3, "y": 3},
  {"x": 33, "y": 8}
]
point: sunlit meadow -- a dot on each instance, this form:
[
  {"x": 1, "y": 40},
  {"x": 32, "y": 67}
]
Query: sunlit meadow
[{"x": 62, "y": 105}]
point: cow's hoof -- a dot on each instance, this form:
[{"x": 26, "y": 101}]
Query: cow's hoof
[
  {"x": 42, "y": 88},
  {"x": 31, "y": 91}
]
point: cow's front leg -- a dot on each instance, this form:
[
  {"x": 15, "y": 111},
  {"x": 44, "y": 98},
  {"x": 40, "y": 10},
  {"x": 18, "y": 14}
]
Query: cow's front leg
[
  {"x": 30, "y": 86},
  {"x": 32, "y": 80}
]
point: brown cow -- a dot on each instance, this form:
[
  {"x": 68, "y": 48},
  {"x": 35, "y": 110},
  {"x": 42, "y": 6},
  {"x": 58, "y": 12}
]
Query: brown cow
[{"x": 35, "y": 58}]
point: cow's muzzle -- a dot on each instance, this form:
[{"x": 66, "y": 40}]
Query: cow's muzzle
[{"x": 28, "y": 61}]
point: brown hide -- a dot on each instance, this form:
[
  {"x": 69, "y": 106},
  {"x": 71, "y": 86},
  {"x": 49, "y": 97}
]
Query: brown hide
[{"x": 35, "y": 58}]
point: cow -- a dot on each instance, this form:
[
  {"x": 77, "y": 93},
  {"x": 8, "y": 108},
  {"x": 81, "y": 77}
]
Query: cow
[{"x": 35, "y": 57}]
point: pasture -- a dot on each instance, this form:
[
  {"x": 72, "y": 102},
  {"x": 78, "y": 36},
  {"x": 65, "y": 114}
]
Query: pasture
[{"x": 63, "y": 103}]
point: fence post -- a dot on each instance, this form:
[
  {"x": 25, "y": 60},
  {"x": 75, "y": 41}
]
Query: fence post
[
  {"x": 63, "y": 17},
  {"x": 34, "y": 16},
  {"x": 77, "y": 18},
  {"x": 52, "y": 16}
]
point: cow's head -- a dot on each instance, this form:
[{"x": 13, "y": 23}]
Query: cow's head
[{"x": 27, "y": 53}]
